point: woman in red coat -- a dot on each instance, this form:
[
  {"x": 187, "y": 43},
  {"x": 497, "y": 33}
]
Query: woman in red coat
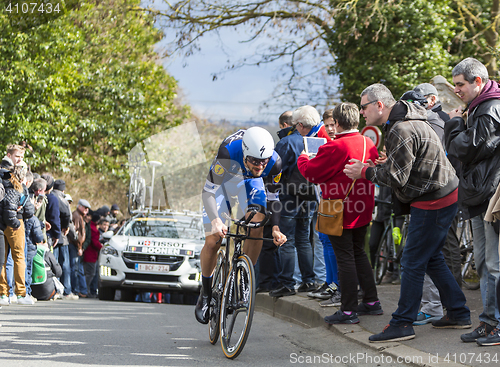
[
  {"x": 326, "y": 169},
  {"x": 91, "y": 254}
]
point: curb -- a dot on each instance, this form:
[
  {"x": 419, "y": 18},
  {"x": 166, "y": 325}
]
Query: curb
[{"x": 307, "y": 313}]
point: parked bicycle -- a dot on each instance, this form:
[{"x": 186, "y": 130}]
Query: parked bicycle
[
  {"x": 233, "y": 290},
  {"x": 391, "y": 246},
  {"x": 470, "y": 278},
  {"x": 137, "y": 188}
]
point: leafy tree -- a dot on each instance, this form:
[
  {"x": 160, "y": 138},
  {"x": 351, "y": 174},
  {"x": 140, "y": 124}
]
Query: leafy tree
[
  {"x": 85, "y": 87},
  {"x": 397, "y": 42}
]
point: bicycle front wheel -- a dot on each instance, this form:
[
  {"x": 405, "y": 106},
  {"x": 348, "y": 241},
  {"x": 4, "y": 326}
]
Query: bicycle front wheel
[
  {"x": 237, "y": 306},
  {"x": 218, "y": 279},
  {"x": 382, "y": 256}
]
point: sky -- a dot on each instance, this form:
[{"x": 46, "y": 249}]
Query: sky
[{"x": 237, "y": 95}]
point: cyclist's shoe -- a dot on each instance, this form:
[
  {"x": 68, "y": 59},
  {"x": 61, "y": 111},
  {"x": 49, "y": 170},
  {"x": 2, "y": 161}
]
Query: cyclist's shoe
[
  {"x": 480, "y": 332},
  {"x": 448, "y": 323},
  {"x": 366, "y": 309},
  {"x": 202, "y": 309}
]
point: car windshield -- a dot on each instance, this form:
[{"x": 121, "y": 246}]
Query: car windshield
[{"x": 189, "y": 228}]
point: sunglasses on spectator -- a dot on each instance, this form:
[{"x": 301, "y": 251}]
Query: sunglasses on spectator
[
  {"x": 257, "y": 162},
  {"x": 363, "y": 106}
]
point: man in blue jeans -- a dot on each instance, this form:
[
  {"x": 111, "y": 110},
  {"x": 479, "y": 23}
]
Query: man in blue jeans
[
  {"x": 297, "y": 206},
  {"x": 421, "y": 176},
  {"x": 476, "y": 143}
]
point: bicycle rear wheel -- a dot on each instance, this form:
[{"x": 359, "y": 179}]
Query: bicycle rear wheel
[
  {"x": 218, "y": 280},
  {"x": 382, "y": 256},
  {"x": 237, "y": 307}
]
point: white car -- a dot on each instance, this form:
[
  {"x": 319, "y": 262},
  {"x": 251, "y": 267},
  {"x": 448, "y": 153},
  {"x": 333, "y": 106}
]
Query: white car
[{"x": 157, "y": 251}]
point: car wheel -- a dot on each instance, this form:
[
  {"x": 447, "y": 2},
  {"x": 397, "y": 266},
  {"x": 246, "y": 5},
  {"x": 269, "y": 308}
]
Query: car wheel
[{"x": 106, "y": 293}]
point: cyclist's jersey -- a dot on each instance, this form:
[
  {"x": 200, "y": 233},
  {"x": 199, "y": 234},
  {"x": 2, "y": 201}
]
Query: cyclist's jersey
[{"x": 228, "y": 174}]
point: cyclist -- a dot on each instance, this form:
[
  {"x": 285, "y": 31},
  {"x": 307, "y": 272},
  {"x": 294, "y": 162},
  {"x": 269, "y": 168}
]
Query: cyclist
[{"x": 246, "y": 169}]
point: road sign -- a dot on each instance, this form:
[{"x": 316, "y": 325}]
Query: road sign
[{"x": 373, "y": 133}]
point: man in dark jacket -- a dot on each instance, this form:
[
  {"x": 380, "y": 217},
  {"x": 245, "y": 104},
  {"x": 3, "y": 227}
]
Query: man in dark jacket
[
  {"x": 52, "y": 213},
  {"x": 420, "y": 174},
  {"x": 477, "y": 145},
  {"x": 297, "y": 211},
  {"x": 61, "y": 251}
]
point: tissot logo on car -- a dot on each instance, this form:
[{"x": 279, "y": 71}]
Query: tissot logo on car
[{"x": 160, "y": 243}]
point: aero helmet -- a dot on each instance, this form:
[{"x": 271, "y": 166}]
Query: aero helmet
[{"x": 257, "y": 143}]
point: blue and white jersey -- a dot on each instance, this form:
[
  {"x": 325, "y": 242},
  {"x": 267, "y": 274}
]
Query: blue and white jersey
[{"x": 228, "y": 174}]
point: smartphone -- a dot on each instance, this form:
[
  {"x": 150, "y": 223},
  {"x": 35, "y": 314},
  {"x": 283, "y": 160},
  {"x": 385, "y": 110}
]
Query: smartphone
[
  {"x": 39, "y": 198},
  {"x": 311, "y": 145}
]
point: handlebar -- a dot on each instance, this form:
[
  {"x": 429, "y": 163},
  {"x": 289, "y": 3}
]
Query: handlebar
[{"x": 246, "y": 223}]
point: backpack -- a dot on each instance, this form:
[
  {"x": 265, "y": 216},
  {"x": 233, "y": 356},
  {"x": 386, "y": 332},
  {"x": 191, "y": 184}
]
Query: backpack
[{"x": 38, "y": 269}]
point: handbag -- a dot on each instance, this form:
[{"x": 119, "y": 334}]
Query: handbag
[{"x": 331, "y": 211}]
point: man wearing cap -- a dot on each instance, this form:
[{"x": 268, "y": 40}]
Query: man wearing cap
[
  {"x": 79, "y": 286},
  {"x": 61, "y": 251},
  {"x": 431, "y": 94}
]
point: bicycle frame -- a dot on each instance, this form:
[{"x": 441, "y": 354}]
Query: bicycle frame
[{"x": 233, "y": 289}]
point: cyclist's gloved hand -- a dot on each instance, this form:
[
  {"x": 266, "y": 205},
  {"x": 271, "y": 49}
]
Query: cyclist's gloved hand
[
  {"x": 218, "y": 227},
  {"x": 279, "y": 238}
]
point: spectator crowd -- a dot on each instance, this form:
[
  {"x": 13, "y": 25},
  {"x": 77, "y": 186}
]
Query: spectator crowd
[
  {"x": 47, "y": 251},
  {"x": 435, "y": 169}
]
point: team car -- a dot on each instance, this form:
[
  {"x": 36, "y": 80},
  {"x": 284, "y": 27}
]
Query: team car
[{"x": 153, "y": 251}]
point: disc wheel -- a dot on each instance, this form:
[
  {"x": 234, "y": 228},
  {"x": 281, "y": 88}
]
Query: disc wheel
[
  {"x": 237, "y": 307},
  {"x": 218, "y": 280}
]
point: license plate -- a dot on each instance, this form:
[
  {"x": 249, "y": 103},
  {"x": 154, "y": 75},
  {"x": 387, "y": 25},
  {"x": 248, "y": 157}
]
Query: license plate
[{"x": 153, "y": 267}]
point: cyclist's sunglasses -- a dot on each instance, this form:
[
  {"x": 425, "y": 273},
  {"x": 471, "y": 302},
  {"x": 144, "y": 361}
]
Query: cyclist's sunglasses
[{"x": 257, "y": 162}]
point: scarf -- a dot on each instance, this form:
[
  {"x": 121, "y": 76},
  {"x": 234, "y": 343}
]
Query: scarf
[{"x": 491, "y": 90}]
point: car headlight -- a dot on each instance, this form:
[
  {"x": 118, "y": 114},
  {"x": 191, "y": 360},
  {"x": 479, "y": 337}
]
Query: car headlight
[{"x": 109, "y": 250}]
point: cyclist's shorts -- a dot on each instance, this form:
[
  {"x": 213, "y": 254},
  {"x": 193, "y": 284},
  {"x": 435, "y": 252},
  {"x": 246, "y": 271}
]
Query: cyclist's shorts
[{"x": 249, "y": 192}]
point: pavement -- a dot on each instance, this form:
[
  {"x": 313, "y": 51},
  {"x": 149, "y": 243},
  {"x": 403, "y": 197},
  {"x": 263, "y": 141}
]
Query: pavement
[{"x": 431, "y": 347}]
